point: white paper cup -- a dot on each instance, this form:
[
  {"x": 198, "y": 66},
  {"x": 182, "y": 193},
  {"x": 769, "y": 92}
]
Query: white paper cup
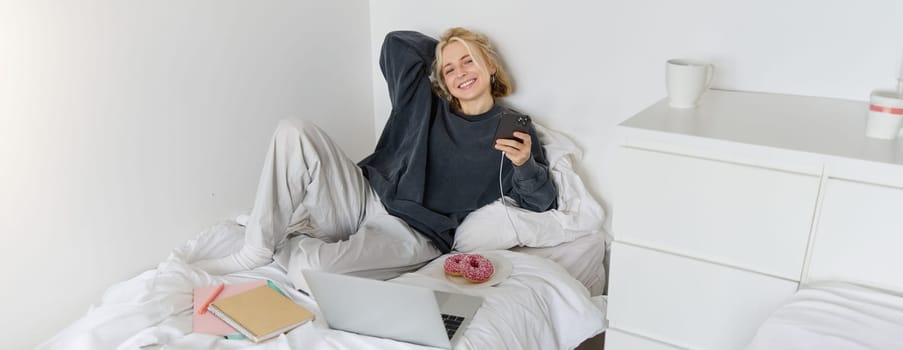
[
  {"x": 686, "y": 81},
  {"x": 885, "y": 115}
]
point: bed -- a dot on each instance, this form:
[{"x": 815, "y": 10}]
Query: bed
[{"x": 551, "y": 300}]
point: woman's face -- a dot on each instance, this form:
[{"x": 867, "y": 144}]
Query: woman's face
[{"x": 464, "y": 78}]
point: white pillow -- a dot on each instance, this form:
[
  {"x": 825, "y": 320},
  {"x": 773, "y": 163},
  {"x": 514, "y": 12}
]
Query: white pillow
[{"x": 578, "y": 213}]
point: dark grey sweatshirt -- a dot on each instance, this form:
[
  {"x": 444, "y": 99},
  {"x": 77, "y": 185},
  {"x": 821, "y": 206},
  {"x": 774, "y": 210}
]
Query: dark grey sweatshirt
[{"x": 432, "y": 165}]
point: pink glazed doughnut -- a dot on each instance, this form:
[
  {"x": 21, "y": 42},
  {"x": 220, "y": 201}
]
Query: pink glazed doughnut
[
  {"x": 477, "y": 269},
  {"x": 454, "y": 264}
]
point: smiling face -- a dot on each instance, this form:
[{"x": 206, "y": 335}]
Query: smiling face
[{"x": 467, "y": 77}]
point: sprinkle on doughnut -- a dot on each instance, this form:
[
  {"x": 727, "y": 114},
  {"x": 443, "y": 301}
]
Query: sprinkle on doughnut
[
  {"x": 477, "y": 268},
  {"x": 454, "y": 264}
]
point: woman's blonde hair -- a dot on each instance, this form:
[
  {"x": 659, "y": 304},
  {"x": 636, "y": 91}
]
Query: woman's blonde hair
[{"x": 500, "y": 83}]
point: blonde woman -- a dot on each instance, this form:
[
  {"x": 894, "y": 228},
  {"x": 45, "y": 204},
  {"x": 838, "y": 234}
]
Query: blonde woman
[{"x": 436, "y": 161}]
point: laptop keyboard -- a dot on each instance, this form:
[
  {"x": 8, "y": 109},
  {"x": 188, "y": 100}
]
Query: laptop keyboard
[{"x": 452, "y": 323}]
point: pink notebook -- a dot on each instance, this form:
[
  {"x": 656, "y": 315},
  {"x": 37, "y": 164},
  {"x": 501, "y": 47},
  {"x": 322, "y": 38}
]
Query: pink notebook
[{"x": 208, "y": 323}]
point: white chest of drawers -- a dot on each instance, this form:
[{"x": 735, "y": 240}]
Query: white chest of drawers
[{"x": 716, "y": 209}]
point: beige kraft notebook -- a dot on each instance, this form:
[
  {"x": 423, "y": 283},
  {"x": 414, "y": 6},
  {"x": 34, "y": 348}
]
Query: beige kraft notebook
[{"x": 260, "y": 313}]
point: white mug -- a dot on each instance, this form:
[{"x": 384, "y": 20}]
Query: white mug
[
  {"x": 885, "y": 115},
  {"x": 687, "y": 80}
]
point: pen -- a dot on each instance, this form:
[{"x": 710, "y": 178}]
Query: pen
[
  {"x": 203, "y": 309},
  {"x": 276, "y": 288}
]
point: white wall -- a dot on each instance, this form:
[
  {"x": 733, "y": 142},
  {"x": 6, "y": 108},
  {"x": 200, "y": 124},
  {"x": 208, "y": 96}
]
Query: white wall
[
  {"x": 127, "y": 127},
  {"x": 584, "y": 66}
]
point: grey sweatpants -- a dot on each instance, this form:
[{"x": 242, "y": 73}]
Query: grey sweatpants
[{"x": 314, "y": 209}]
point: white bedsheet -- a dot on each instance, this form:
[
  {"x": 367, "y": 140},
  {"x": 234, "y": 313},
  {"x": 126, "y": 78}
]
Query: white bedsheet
[
  {"x": 836, "y": 316},
  {"x": 540, "y": 306},
  {"x": 583, "y": 258}
]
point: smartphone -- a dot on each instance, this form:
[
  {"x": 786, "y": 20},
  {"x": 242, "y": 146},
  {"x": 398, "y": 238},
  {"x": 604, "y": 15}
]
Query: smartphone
[{"x": 511, "y": 122}]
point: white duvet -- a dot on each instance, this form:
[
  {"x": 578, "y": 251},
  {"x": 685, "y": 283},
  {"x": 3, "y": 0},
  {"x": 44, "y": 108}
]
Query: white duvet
[{"x": 540, "y": 306}]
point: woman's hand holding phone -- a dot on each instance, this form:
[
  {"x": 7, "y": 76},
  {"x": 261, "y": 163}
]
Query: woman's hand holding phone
[
  {"x": 512, "y": 137},
  {"x": 517, "y": 152}
]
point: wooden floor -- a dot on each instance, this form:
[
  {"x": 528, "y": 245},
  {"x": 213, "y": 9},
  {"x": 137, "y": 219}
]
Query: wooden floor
[{"x": 594, "y": 343}]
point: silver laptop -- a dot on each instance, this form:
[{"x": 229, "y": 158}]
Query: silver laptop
[{"x": 392, "y": 310}]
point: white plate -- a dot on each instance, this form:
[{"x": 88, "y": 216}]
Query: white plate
[{"x": 501, "y": 270}]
